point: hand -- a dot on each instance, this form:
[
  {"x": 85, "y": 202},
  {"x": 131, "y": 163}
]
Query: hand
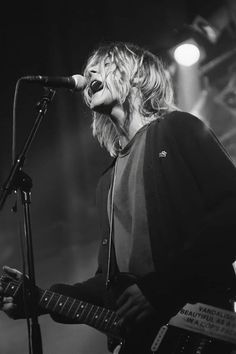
[
  {"x": 133, "y": 307},
  {"x": 7, "y": 304}
]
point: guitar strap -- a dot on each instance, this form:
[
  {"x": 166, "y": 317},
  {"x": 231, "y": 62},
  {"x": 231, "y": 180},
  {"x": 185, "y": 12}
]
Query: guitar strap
[{"x": 112, "y": 267}]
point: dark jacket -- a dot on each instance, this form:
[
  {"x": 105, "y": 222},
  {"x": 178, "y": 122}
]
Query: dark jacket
[{"x": 190, "y": 189}]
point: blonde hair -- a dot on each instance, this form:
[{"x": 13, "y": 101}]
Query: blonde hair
[{"x": 138, "y": 68}]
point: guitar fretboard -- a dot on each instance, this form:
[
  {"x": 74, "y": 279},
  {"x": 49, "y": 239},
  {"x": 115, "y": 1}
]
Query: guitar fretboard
[{"x": 103, "y": 319}]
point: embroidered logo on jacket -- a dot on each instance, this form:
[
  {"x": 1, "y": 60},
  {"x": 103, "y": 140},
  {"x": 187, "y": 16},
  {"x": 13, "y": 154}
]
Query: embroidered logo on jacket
[{"x": 163, "y": 153}]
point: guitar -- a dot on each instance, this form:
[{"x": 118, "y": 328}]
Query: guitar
[{"x": 180, "y": 336}]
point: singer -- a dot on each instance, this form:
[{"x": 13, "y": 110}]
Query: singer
[{"x": 166, "y": 204}]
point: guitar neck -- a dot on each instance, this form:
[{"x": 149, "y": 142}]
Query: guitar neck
[{"x": 100, "y": 318}]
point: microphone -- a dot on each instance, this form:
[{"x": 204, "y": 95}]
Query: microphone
[{"x": 75, "y": 82}]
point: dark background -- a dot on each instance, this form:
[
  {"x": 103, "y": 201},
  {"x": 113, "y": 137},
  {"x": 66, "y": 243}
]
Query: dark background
[{"x": 54, "y": 38}]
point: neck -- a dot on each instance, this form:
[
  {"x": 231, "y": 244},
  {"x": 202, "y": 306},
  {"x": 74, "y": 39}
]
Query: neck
[
  {"x": 136, "y": 122},
  {"x": 121, "y": 115}
]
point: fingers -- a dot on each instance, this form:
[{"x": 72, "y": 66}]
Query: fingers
[
  {"x": 6, "y": 304},
  {"x": 133, "y": 307},
  {"x": 13, "y": 273},
  {"x": 135, "y": 313},
  {"x": 123, "y": 298},
  {"x": 11, "y": 310},
  {"x": 130, "y": 313},
  {"x": 132, "y": 293},
  {"x": 9, "y": 307},
  {"x": 121, "y": 311}
]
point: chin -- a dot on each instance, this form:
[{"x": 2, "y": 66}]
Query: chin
[
  {"x": 101, "y": 106},
  {"x": 103, "y": 109}
]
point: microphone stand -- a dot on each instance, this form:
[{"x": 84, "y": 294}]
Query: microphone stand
[{"x": 19, "y": 180}]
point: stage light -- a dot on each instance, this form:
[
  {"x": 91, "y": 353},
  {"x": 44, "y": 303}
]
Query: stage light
[
  {"x": 187, "y": 54},
  {"x": 206, "y": 29}
]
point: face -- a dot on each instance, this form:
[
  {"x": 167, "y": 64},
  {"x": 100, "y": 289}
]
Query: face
[{"x": 103, "y": 95}]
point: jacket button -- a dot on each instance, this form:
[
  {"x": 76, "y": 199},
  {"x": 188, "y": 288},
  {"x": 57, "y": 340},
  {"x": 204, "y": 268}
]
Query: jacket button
[{"x": 104, "y": 241}]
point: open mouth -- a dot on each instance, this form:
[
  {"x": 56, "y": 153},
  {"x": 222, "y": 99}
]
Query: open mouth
[{"x": 95, "y": 86}]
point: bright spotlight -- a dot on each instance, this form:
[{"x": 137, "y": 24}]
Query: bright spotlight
[{"x": 187, "y": 54}]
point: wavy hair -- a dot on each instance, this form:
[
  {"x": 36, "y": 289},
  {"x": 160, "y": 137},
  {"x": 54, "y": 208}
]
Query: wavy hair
[{"x": 138, "y": 68}]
